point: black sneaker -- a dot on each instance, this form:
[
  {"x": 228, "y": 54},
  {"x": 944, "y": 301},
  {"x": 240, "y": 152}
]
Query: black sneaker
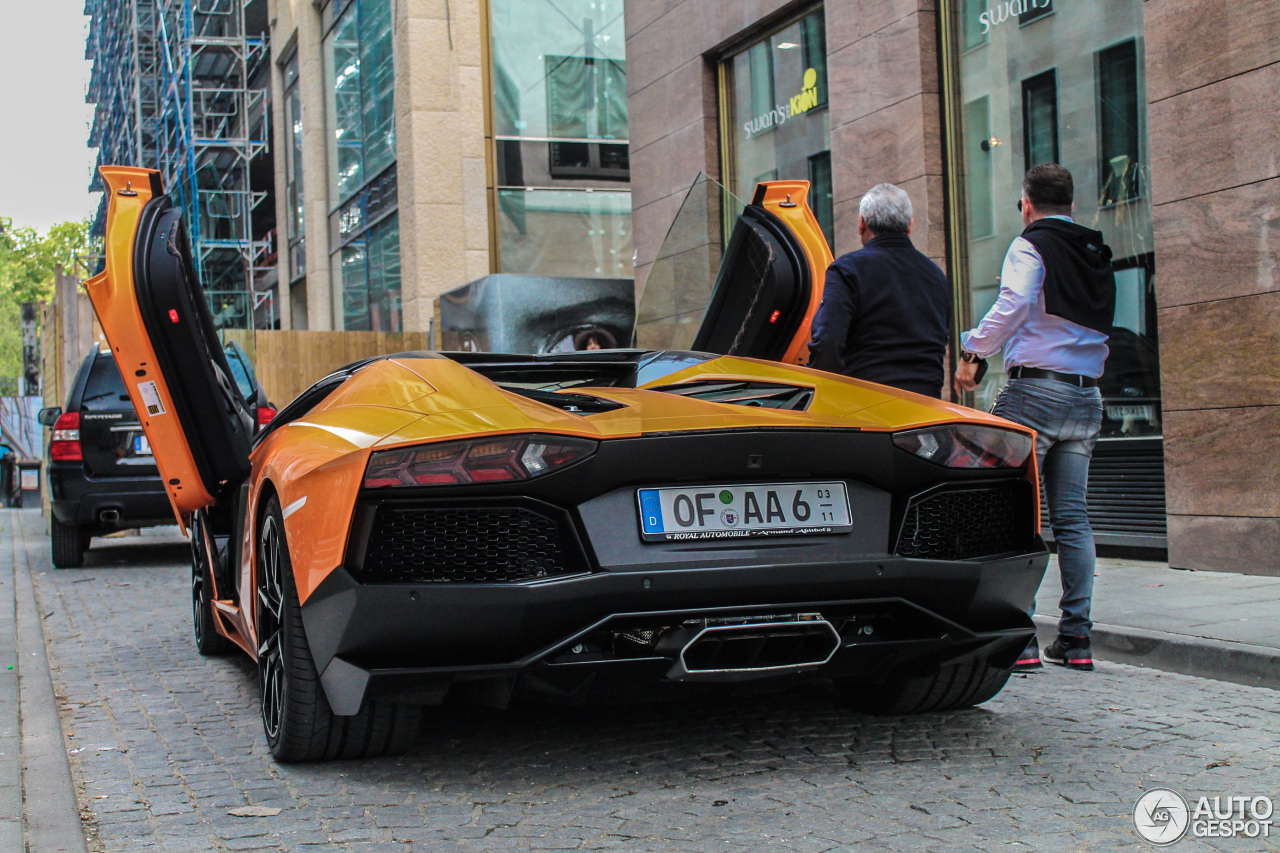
[
  {"x": 1029, "y": 660},
  {"x": 1071, "y": 652}
]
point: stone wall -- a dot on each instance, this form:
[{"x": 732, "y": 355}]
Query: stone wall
[
  {"x": 440, "y": 147},
  {"x": 1213, "y": 88}
]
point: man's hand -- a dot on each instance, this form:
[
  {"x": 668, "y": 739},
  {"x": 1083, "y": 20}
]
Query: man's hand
[{"x": 965, "y": 373}]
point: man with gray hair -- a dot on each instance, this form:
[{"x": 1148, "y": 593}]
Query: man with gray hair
[{"x": 886, "y": 308}]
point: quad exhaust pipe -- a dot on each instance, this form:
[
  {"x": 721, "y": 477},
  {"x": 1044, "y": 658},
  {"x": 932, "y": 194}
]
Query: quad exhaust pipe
[{"x": 735, "y": 652}]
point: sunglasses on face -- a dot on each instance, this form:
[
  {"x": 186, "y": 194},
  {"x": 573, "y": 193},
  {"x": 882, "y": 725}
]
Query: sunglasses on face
[{"x": 1019, "y": 205}]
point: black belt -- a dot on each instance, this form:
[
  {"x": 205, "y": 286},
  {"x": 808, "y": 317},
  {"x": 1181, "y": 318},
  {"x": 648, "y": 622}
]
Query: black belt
[{"x": 1020, "y": 372}]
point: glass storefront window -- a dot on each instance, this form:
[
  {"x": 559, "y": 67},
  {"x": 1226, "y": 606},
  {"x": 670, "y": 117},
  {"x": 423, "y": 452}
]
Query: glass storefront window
[
  {"x": 296, "y": 217},
  {"x": 1118, "y": 123},
  {"x": 369, "y": 269},
  {"x": 361, "y": 96},
  {"x": 360, "y": 71},
  {"x": 559, "y": 69},
  {"x": 569, "y": 233},
  {"x": 561, "y": 138},
  {"x": 774, "y": 99},
  {"x": 1036, "y": 83}
]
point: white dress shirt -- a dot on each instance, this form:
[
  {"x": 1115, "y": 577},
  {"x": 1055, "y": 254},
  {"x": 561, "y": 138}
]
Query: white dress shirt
[{"x": 1031, "y": 337}]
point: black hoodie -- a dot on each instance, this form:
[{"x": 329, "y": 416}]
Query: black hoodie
[{"x": 1079, "y": 284}]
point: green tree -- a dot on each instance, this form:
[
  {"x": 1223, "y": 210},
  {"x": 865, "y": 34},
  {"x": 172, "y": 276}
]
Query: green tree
[{"x": 27, "y": 264}]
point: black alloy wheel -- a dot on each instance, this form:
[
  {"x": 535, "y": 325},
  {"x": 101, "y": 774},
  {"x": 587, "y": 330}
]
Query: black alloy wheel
[
  {"x": 296, "y": 716},
  {"x": 208, "y": 640},
  {"x": 272, "y": 678}
]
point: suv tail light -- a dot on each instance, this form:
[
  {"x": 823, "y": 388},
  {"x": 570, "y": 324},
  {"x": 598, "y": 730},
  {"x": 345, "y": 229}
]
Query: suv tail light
[
  {"x": 265, "y": 414},
  {"x": 480, "y": 460},
  {"x": 65, "y": 446}
]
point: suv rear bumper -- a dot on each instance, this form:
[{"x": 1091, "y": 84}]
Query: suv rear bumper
[{"x": 80, "y": 500}]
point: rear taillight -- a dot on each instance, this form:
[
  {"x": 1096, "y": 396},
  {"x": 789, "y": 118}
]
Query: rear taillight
[
  {"x": 481, "y": 460},
  {"x": 65, "y": 446},
  {"x": 967, "y": 446},
  {"x": 265, "y": 414}
]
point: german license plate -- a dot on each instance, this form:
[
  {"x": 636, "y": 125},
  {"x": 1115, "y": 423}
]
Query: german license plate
[
  {"x": 743, "y": 512},
  {"x": 141, "y": 447},
  {"x": 1120, "y": 412}
]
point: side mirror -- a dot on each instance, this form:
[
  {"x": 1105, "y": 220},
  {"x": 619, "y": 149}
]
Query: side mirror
[{"x": 48, "y": 417}]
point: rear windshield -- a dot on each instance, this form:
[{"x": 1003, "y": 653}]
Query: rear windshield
[
  {"x": 239, "y": 372},
  {"x": 105, "y": 389}
]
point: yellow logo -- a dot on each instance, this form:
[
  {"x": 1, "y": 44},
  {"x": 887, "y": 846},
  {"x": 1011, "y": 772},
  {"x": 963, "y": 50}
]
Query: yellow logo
[{"x": 808, "y": 98}]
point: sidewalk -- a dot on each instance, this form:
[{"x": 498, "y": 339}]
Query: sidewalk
[
  {"x": 38, "y": 810},
  {"x": 1208, "y": 624}
]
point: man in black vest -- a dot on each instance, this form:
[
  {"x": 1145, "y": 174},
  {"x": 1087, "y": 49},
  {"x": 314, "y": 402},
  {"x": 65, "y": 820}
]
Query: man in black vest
[
  {"x": 1052, "y": 317},
  {"x": 886, "y": 308}
]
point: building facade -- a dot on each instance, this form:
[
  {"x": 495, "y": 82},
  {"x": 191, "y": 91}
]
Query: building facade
[
  {"x": 1162, "y": 109},
  {"x": 423, "y": 147},
  {"x": 180, "y": 86}
]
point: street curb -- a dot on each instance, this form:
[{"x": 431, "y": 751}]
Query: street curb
[
  {"x": 1203, "y": 657},
  {"x": 50, "y": 811}
]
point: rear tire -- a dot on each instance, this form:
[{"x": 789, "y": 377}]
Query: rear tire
[
  {"x": 68, "y": 542},
  {"x": 953, "y": 686},
  {"x": 296, "y": 717}
]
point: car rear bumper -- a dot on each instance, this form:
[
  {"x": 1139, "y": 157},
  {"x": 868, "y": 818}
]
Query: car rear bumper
[
  {"x": 77, "y": 499},
  {"x": 570, "y": 636}
]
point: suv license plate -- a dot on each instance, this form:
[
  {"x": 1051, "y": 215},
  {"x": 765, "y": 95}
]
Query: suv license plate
[
  {"x": 141, "y": 447},
  {"x": 743, "y": 512}
]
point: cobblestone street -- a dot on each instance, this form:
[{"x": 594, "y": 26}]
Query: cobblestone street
[{"x": 164, "y": 743}]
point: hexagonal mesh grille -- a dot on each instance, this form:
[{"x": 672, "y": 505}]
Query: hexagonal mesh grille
[
  {"x": 965, "y": 524},
  {"x": 468, "y": 545}
]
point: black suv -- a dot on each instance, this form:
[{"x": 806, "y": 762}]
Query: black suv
[{"x": 102, "y": 476}]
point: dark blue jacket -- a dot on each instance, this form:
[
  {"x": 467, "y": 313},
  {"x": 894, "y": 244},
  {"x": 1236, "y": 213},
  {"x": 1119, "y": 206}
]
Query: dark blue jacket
[{"x": 885, "y": 313}]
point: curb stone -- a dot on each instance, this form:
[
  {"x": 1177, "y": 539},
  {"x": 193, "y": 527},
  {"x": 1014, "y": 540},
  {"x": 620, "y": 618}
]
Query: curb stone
[
  {"x": 1203, "y": 657},
  {"x": 50, "y": 812}
]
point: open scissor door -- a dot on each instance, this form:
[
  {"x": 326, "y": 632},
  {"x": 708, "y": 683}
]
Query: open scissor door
[
  {"x": 755, "y": 298},
  {"x": 770, "y": 280},
  {"x": 155, "y": 317}
]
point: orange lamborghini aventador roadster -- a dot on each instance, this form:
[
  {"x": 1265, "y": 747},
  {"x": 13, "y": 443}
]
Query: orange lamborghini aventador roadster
[{"x": 576, "y": 524}]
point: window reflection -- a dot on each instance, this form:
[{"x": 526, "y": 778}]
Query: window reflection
[
  {"x": 1118, "y": 123},
  {"x": 1047, "y": 87},
  {"x": 566, "y": 232},
  {"x": 361, "y": 75},
  {"x": 294, "y": 186},
  {"x": 362, "y": 151},
  {"x": 561, "y": 138},
  {"x": 369, "y": 267},
  {"x": 559, "y": 69}
]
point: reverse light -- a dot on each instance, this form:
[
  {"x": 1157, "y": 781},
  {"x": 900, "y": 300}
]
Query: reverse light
[
  {"x": 65, "y": 445},
  {"x": 967, "y": 446},
  {"x": 480, "y": 460}
]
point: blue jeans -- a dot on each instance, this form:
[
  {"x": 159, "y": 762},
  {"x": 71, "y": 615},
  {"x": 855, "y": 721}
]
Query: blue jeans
[{"x": 1067, "y": 420}]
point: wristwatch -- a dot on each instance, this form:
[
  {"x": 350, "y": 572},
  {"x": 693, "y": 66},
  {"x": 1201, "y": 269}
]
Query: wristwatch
[{"x": 974, "y": 358}]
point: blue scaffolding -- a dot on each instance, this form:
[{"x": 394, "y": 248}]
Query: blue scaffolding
[{"x": 172, "y": 84}]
